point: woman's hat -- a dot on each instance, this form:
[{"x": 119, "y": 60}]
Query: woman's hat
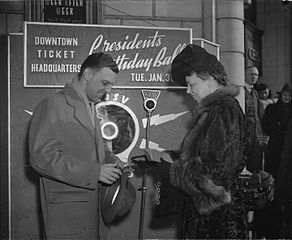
[
  {"x": 285, "y": 88},
  {"x": 196, "y": 59},
  {"x": 117, "y": 199}
]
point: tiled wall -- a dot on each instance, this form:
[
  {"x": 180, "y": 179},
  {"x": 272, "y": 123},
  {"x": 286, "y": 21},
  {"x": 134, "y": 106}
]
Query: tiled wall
[
  {"x": 11, "y": 16},
  {"x": 160, "y": 13}
]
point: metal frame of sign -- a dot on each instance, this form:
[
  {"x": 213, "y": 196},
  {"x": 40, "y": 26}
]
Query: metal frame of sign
[{"x": 31, "y": 53}]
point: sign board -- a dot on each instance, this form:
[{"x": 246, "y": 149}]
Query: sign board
[
  {"x": 54, "y": 52},
  {"x": 65, "y": 11},
  {"x": 169, "y": 123}
]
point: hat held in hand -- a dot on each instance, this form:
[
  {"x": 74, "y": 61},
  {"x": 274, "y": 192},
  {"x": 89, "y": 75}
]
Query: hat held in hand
[{"x": 117, "y": 199}]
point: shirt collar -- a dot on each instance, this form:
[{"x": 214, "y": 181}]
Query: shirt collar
[{"x": 248, "y": 87}]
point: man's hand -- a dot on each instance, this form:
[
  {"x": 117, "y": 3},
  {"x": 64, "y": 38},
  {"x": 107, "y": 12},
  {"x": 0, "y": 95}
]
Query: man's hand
[{"x": 110, "y": 173}]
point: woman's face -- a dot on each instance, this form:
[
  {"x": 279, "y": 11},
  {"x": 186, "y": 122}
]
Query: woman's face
[
  {"x": 198, "y": 88},
  {"x": 264, "y": 94},
  {"x": 286, "y": 97}
]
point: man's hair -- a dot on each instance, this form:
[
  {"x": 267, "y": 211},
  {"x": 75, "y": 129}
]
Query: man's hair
[
  {"x": 250, "y": 66},
  {"x": 97, "y": 61},
  {"x": 261, "y": 87}
]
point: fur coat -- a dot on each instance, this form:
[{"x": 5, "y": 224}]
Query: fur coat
[
  {"x": 275, "y": 124},
  {"x": 212, "y": 156}
]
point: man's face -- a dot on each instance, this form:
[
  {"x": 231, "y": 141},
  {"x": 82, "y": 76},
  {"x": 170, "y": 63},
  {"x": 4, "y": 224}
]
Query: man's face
[
  {"x": 99, "y": 83},
  {"x": 252, "y": 75}
]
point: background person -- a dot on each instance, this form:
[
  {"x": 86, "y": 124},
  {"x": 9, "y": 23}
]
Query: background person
[
  {"x": 274, "y": 124},
  {"x": 265, "y": 94},
  {"x": 67, "y": 150},
  {"x": 254, "y": 112},
  {"x": 283, "y": 194},
  {"x": 212, "y": 155}
]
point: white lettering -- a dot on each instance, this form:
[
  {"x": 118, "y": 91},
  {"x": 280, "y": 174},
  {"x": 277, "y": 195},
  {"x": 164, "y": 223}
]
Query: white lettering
[
  {"x": 125, "y": 99},
  {"x": 60, "y": 3},
  {"x": 64, "y": 68},
  {"x": 96, "y": 44},
  {"x": 56, "y": 41},
  {"x": 116, "y": 97},
  {"x": 156, "y": 77},
  {"x": 137, "y": 77},
  {"x": 133, "y": 64},
  {"x": 125, "y": 44},
  {"x": 55, "y": 53}
]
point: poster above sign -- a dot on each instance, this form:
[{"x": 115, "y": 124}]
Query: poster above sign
[
  {"x": 54, "y": 52},
  {"x": 66, "y": 11}
]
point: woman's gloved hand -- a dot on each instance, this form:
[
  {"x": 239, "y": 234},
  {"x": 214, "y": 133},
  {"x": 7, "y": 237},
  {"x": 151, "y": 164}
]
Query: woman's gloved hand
[{"x": 157, "y": 156}]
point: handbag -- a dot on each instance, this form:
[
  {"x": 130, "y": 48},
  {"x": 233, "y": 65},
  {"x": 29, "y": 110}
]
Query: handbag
[{"x": 257, "y": 190}]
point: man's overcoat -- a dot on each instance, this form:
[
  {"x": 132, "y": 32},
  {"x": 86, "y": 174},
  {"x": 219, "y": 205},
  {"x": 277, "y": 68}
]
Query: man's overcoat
[{"x": 67, "y": 151}]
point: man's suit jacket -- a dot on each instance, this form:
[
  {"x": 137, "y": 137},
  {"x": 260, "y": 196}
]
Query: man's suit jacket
[
  {"x": 67, "y": 151},
  {"x": 254, "y": 112}
]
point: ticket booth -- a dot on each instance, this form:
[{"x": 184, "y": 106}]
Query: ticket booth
[{"x": 47, "y": 56}]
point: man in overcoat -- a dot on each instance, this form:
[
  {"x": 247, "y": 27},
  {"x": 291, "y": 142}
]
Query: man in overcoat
[
  {"x": 67, "y": 150},
  {"x": 254, "y": 111}
]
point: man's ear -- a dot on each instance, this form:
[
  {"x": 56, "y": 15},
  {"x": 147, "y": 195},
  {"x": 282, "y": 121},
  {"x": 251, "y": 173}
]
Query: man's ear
[{"x": 87, "y": 73}]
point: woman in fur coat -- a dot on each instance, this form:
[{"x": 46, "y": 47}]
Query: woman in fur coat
[
  {"x": 274, "y": 124},
  {"x": 213, "y": 152}
]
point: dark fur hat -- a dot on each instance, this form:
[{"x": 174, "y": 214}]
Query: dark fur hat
[
  {"x": 285, "y": 88},
  {"x": 196, "y": 59}
]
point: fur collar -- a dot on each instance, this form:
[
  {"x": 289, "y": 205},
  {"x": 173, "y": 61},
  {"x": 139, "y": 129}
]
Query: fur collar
[
  {"x": 203, "y": 106},
  {"x": 200, "y": 113},
  {"x": 231, "y": 90}
]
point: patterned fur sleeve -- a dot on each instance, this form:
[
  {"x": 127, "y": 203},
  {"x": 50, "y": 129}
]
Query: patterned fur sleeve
[{"x": 186, "y": 174}]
